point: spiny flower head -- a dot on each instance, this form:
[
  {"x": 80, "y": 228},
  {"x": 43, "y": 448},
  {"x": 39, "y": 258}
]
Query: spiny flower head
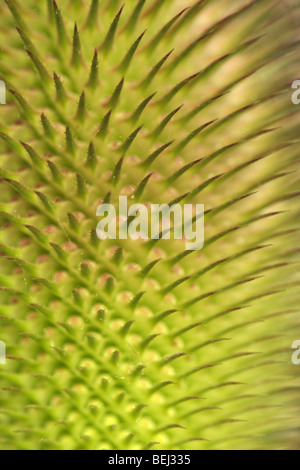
[{"x": 140, "y": 344}]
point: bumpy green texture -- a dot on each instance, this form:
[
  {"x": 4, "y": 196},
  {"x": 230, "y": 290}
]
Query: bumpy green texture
[{"x": 123, "y": 344}]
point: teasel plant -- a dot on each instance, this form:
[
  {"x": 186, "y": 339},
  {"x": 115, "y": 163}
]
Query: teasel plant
[{"x": 142, "y": 344}]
